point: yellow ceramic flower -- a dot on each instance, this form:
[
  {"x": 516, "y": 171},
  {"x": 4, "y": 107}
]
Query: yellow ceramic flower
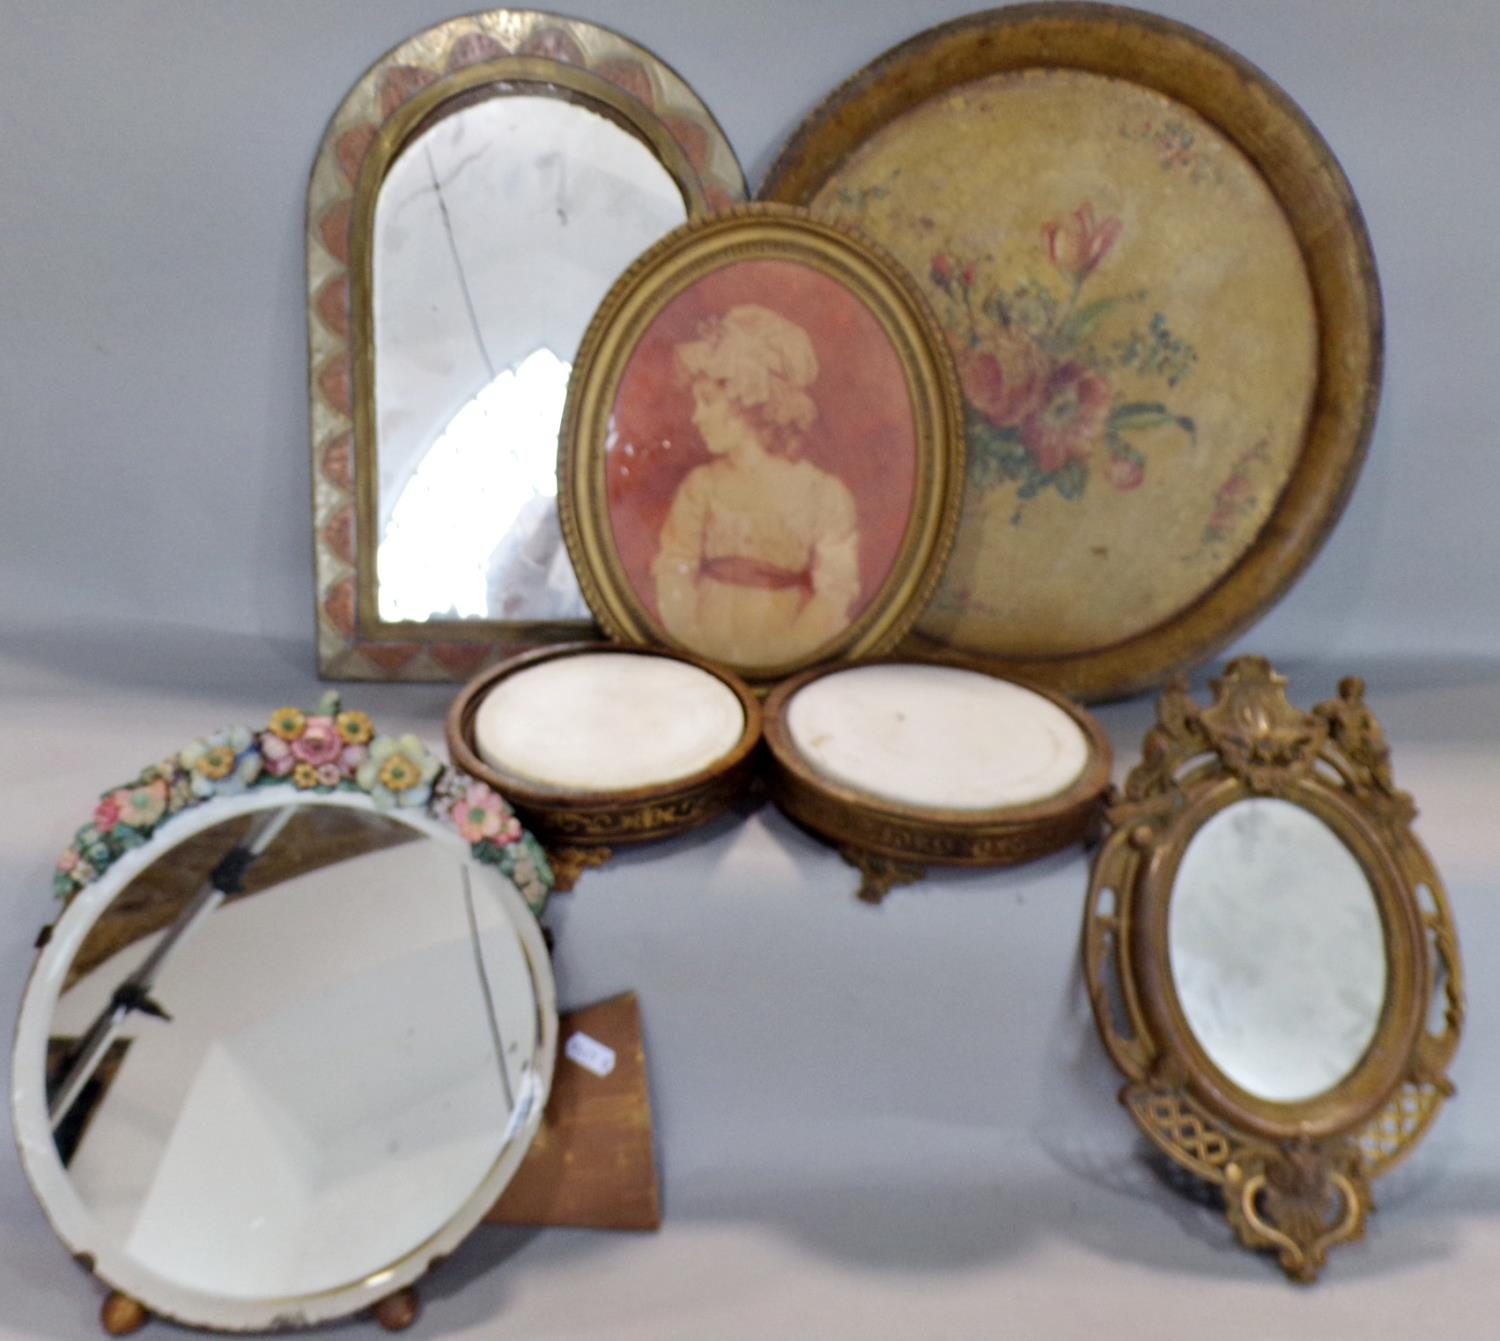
[
  {"x": 216, "y": 762},
  {"x": 305, "y": 775},
  {"x": 354, "y": 728},
  {"x": 399, "y": 774},
  {"x": 288, "y": 723}
]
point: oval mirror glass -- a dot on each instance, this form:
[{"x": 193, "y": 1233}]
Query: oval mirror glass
[
  {"x": 1277, "y": 949},
  {"x": 498, "y": 229},
  {"x": 279, "y": 1106}
]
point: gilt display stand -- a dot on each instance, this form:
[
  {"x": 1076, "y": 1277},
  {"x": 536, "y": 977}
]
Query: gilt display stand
[
  {"x": 924, "y": 713},
  {"x": 582, "y": 826},
  {"x": 591, "y": 1166}
]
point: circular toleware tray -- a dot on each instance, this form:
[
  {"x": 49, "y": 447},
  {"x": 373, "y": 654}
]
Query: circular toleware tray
[
  {"x": 1163, "y": 306},
  {"x": 597, "y": 744},
  {"x": 908, "y": 764},
  {"x": 761, "y": 455}
]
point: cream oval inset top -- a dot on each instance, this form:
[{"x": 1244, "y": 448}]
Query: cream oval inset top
[
  {"x": 607, "y": 721},
  {"x": 936, "y": 736}
]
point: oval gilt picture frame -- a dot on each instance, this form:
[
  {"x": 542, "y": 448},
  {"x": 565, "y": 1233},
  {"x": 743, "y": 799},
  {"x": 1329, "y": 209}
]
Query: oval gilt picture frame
[
  {"x": 761, "y": 455},
  {"x": 1163, "y": 304}
]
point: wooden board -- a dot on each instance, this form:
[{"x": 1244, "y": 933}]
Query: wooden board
[{"x": 593, "y": 1163}]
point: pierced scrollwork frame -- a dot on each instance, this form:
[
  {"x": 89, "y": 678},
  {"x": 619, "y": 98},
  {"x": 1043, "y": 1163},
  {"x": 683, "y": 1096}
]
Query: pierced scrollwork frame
[{"x": 1295, "y": 1176}]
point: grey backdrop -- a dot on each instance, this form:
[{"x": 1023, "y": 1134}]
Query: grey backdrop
[{"x": 888, "y": 1123}]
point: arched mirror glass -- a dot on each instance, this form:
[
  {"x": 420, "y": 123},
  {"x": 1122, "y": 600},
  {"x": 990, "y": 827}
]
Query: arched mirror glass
[
  {"x": 475, "y": 196},
  {"x": 281, "y": 1057},
  {"x": 497, "y": 231},
  {"x": 1277, "y": 950}
]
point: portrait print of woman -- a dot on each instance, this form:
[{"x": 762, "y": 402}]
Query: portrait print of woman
[
  {"x": 761, "y": 459},
  {"x": 759, "y": 554}
]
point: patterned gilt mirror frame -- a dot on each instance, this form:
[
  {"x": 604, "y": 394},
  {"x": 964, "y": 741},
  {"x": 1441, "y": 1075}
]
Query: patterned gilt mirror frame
[
  {"x": 519, "y": 51},
  {"x": 1295, "y": 1175}
]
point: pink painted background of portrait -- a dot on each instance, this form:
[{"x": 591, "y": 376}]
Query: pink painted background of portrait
[{"x": 865, "y": 433}]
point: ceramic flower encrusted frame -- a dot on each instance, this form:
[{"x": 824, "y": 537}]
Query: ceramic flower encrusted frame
[{"x": 325, "y": 750}]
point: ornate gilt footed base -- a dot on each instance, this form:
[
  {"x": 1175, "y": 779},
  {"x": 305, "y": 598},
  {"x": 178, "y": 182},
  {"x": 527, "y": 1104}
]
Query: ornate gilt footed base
[
  {"x": 396, "y": 1312},
  {"x": 121, "y": 1315},
  {"x": 569, "y": 863},
  {"x": 1299, "y": 1201},
  {"x": 879, "y": 875}
]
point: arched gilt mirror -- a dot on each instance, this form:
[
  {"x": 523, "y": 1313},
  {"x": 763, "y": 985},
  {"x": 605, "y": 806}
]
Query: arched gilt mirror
[
  {"x": 1271, "y": 959},
  {"x": 293, "y": 1032},
  {"x": 475, "y": 196}
]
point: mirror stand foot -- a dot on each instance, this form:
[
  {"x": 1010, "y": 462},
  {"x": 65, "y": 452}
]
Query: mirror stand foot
[
  {"x": 396, "y": 1312},
  {"x": 568, "y": 863},
  {"x": 879, "y": 875},
  {"x": 122, "y": 1315}
]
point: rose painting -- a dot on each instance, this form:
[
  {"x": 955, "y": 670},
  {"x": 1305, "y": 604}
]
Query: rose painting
[
  {"x": 1041, "y": 407},
  {"x": 1133, "y": 325},
  {"x": 761, "y": 462}
]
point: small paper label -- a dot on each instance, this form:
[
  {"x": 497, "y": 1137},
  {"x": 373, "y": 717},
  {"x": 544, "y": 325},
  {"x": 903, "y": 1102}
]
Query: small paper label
[{"x": 591, "y": 1054}]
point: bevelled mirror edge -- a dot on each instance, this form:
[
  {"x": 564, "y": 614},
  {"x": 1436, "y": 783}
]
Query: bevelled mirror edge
[
  {"x": 1295, "y": 1170},
  {"x": 147, "y": 845},
  {"x": 521, "y": 50}
]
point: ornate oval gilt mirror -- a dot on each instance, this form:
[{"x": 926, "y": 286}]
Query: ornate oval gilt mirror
[
  {"x": 1271, "y": 959},
  {"x": 293, "y": 1032},
  {"x": 476, "y": 194}
]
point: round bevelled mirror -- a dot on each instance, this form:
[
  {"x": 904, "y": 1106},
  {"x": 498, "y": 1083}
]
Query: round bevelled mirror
[
  {"x": 1277, "y": 949},
  {"x": 281, "y": 1056}
]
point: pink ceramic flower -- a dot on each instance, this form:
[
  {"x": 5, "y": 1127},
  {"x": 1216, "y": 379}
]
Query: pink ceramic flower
[
  {"x": 329, "y": 775},
  {"x": 319, "y": 743},
  {"x": 141, "y": 807},
  {"x": 351, "y": 758},
  {"x": 1077, "y": 244},
  {"x": 1071, "y": 420},
  {"x": 69, "y": 860},
  {"x": 480, "y": 813},
  {"x": 107, "y": 814},
  {"x": 277, "y": 754}
]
